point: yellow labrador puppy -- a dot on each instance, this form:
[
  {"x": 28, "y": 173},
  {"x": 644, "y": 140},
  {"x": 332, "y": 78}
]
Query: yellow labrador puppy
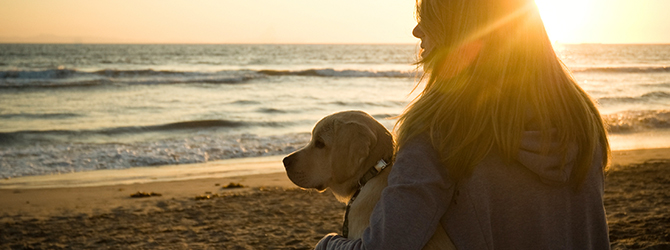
[{"x": 350, "y": 153}]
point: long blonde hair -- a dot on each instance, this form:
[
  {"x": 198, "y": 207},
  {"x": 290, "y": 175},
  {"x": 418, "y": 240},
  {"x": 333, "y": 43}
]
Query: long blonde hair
[{"x": 491, "y": 75}]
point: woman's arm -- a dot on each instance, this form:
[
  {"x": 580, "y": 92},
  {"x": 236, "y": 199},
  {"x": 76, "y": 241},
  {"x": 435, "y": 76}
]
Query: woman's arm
[{"x": 411, "y": 206}]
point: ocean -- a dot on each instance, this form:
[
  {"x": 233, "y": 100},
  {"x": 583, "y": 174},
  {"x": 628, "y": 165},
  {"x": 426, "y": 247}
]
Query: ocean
[{"x": 73, "y": 108}]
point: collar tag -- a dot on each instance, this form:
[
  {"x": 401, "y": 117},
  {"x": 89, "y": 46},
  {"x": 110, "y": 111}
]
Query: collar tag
[{"x": 381, "y": 165}]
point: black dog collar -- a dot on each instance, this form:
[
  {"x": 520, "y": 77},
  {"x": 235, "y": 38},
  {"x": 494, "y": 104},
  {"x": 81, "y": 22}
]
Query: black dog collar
[{"x": 374, "y": 171}]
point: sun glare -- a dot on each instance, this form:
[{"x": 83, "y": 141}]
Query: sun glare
[{"x": 563, "y": 18}]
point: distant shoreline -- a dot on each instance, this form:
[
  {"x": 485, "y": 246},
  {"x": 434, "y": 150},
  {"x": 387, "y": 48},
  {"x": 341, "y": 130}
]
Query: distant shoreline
[{"x": 228, "y": 168}]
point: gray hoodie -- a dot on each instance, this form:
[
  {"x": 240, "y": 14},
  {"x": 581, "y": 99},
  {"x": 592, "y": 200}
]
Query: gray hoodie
[{"x": 524, "y": 204}]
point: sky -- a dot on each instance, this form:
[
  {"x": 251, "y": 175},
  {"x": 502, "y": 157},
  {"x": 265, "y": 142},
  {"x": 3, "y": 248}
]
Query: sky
[{"x": 299, "y": 21}]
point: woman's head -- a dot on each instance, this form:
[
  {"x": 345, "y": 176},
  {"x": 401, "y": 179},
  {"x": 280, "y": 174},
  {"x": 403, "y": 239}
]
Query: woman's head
[
  {"x": 447, "y": 27},
  {"x": 488, "y": 66}
]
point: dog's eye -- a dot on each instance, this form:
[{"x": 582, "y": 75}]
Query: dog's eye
[{"x": 319, "y": 144}]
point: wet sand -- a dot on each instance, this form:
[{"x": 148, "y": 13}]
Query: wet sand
[{"x": 269, "y": 212}]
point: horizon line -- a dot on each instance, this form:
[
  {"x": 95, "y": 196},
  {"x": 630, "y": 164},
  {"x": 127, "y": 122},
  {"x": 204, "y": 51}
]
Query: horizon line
[{"x": 260, "y": 43}]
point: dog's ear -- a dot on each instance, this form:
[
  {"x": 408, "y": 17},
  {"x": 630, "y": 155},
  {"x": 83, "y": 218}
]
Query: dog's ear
[{"x": 353, "y": 142}]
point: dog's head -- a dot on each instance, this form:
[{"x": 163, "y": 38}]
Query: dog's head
[{"x": 343, "y": 147}]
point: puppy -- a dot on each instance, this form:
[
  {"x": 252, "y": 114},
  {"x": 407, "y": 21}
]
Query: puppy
[{"x": 348, "y": 149}]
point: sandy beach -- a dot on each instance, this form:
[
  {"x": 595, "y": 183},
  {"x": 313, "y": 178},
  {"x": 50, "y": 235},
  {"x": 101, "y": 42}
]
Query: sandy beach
[{"x": 268, "y": 212}]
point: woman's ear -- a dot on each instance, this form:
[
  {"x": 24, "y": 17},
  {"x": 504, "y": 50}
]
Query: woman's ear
[{"x": 352, "y": 144}]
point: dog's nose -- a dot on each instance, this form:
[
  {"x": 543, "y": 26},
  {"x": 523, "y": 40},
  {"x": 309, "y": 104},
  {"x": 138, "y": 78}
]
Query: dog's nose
[{"x": 287, "y": 161}]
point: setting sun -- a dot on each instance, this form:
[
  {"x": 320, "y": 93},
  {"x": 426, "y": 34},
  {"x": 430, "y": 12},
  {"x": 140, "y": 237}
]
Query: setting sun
[{"x": 563, "y": 18}]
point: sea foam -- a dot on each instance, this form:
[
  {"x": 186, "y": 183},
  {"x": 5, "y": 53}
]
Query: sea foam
[{"x": 41, "y": 159}]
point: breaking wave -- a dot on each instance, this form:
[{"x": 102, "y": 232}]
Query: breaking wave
[
  {"x": 636, "y": 121},
  {"x": 642, "y": 69},
  {"x": 650, "y": 96},
  {"x": 40, "y": 159},
  {"x": 338, "y": 73},
  {"x": 26, "y": 136},
  {"x": 53, "y": 78}
]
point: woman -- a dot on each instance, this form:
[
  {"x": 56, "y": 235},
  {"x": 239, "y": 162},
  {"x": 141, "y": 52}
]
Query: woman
[{"x": 502, "y": 148}]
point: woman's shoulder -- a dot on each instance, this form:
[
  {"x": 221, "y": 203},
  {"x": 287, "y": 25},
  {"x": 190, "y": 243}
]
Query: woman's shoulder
[
  {"x": 417, "y": 146},
  {"x": 418, "y": 165},
  {"x": 418, "y": 152}
]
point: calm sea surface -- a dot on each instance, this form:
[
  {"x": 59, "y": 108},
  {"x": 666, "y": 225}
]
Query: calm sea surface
[{"x": 71, "y": 108}]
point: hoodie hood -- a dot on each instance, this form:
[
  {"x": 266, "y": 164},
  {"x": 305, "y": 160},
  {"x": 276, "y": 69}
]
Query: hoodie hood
[{"x": 553, "y": 168}]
